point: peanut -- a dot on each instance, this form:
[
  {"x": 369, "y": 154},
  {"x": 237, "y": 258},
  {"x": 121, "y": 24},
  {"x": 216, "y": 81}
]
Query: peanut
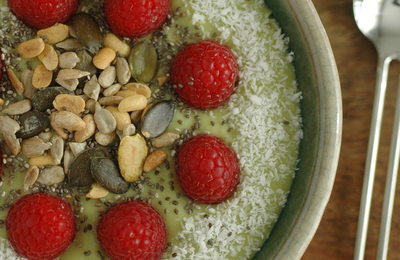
[
  {"x": 132, "y": 103},
  {"x": 61, "y": 120},
  {"x": 49, "y": 57},
  {"x": 125, "y": 93},
  {"x": 41, "y": 77},
  {"x": 112, "y": 41},
  {"x": 104, "y": 58},
  {"x": 68, "y": 102},
  {"x": 139, "y": 88},
  {"x": 55, "y": 33},
  {"x": 90, "y": 129},
  {"x": 31, "y": 48}
]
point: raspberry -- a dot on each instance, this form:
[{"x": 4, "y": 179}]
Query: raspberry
[
  {"x": 207, "y": 169},
  {"x": 43, "y": 13},
  {"x": 204, "y": 74},
  {"x": 132, "y": 18},
  {"x": 132, "y": 230},
  {"x": 40, "y": 226}
]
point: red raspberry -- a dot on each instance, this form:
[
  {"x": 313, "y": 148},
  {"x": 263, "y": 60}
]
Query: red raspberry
[
  {"x": 40, "y": 226},
  {"x": 133, "y": 18},
  {"x": 204, "y": 74},
  {"x": 207, "y": 169},
  {"x": 43, "y": 13},
  {"x": 132, "y": 230}
]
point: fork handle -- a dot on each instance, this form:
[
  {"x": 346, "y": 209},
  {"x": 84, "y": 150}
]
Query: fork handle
[
  {"x": 390, "y": 185},
  {"x": 372, "y": 154}
]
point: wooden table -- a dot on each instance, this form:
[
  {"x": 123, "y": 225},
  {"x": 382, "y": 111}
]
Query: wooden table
[{"x": 356, "y": 59}]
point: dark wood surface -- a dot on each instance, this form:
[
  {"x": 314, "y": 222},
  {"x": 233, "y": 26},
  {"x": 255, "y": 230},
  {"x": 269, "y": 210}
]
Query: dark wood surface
[{"x": 356, "y": 60}]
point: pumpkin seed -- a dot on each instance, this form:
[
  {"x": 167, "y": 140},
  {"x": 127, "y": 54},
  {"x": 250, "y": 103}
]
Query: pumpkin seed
[
  {"x": 157, "y": 118},
  {"x": 143, "y": 62},
  {"x": 79, "y": 172},
  {"x": 85, "y": 63},
  {"x": 32, "y": 123},
  {"x": 87, "y": 30},
  {"x": 106, "y": 172}
]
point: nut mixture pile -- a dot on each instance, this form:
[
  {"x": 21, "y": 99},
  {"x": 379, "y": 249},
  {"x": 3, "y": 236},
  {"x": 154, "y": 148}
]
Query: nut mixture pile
[{"x": 86, "y": 110}]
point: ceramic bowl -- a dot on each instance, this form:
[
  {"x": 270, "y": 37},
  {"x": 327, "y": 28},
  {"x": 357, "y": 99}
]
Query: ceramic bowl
[{"x": 321, "y": 107}]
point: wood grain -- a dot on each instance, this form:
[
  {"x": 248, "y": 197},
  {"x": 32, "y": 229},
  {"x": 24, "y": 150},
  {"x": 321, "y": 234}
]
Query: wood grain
[{"x": 356, "y": 60}]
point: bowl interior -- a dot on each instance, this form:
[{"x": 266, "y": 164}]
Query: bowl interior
[{"x": 321, "y": 108}]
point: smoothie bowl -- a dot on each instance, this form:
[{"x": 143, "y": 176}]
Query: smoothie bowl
[{"x": 125, "y": 128}]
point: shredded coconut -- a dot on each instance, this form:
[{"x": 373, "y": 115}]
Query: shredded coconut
[
  {"x": 6, "y": 251},
  {"x": 259, "y": 113}
]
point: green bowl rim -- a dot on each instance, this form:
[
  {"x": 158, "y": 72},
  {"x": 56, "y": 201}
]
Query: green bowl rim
[{"x": 320, "y": 147}]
